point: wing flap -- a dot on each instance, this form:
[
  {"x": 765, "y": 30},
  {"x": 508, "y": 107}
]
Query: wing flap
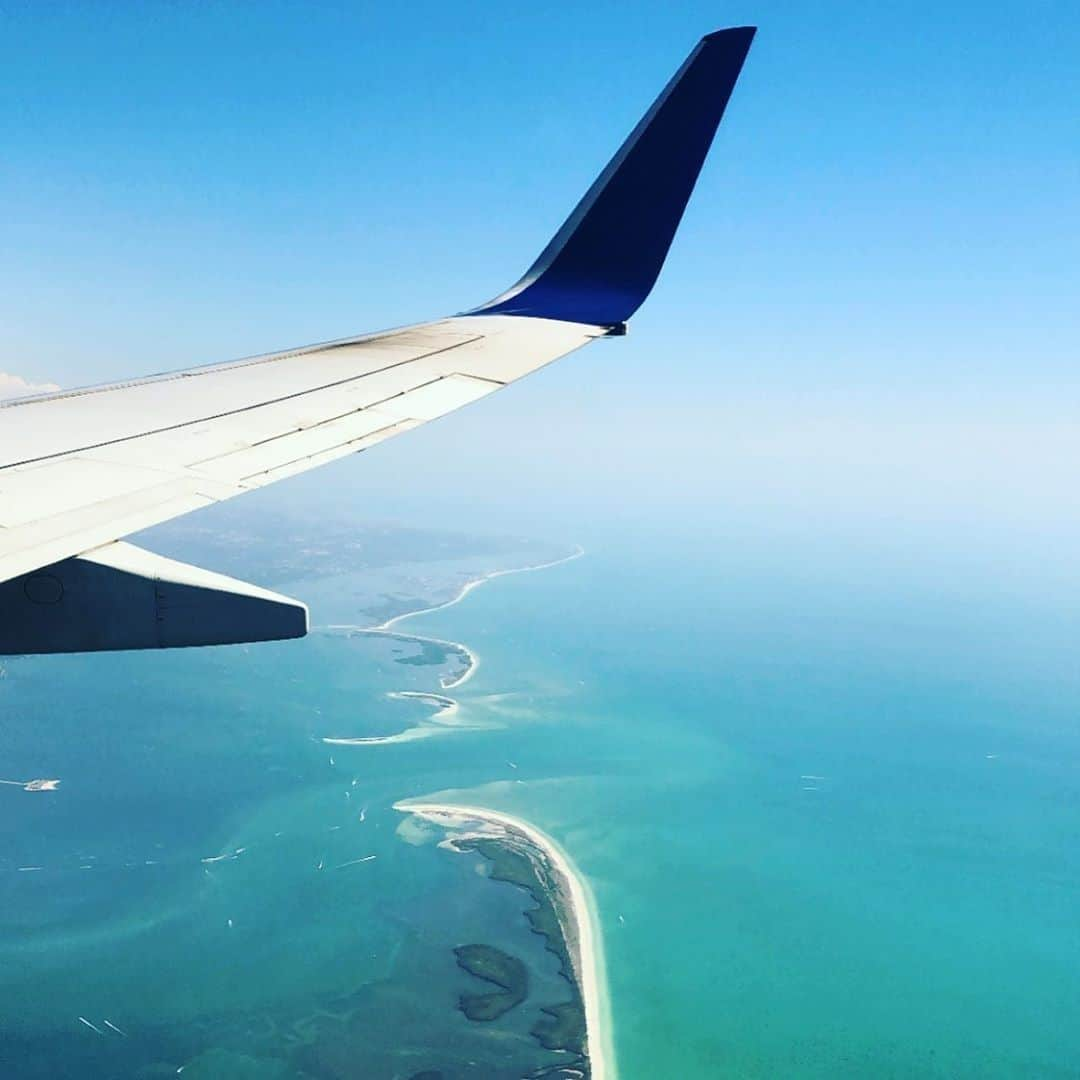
[
  {"x": 59, "y": 536},
  {"x": 311, "y": 461},
  {"x": 342, "y": 434},
  {"x": 73, "y": 422}
]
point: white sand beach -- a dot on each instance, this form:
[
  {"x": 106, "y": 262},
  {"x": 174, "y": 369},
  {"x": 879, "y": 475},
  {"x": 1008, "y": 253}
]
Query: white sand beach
[
  {"x": 470, "y": 585},
  {"x": 445, "y": 707},
  {"x": 582, "y": 935},
  {"x": 439, "y": 723}
]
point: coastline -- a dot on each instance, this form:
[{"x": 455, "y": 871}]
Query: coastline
[
  {"x": 447, "y": 706},
  {"x": 581, "y": 928},
  {"x": 473, "y": 660},
  {"x": 475, "y": 583}
]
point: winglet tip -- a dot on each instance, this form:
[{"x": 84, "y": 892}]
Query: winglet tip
[{"x": 732, "y": 33}]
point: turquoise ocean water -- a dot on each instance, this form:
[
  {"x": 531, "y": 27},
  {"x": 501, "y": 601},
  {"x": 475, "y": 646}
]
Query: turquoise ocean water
[{"x": 830, "y": 819}]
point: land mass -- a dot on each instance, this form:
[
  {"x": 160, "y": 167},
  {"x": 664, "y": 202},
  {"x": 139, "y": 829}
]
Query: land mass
[
  {"x": 516, "y": 861},
  {"x": 521, "y": 855}
]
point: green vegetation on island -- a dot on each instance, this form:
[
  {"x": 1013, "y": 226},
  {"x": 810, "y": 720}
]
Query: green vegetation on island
[
  {"x": 516, "y": 860},
  {"x": 431, "y": 653},
  {"x": 494, "y": 966}
]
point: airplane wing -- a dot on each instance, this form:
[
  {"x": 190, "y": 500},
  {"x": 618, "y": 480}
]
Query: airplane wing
[{"x": 81, "y": 469}]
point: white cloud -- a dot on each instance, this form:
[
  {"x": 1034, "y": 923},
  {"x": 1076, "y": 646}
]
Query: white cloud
[{"x": 13, "y": 386}]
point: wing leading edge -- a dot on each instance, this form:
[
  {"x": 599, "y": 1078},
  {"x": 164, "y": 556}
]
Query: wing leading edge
[{"x": 81, "y": 469}]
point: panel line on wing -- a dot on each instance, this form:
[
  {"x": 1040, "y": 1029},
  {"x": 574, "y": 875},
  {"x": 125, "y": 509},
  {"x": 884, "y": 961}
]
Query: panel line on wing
[
  {"x": 315, "y": 428},
  {"x": 382, "y": 432},
  {"x": 305, "y": 429},
  {"x": 244, "y": 409},
  {"x": 368, "y": 341},
  {"x": 424, "y": 401}
]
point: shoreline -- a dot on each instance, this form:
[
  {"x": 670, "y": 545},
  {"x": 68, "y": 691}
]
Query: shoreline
[
  {"x": 447, "y": 706},
  {"x": 583, "y": 937},
  {"x": 473, "y": 659},
  {"x": 475, "y": 583}
]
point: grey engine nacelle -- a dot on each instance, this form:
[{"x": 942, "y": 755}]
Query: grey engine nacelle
[{"x": 122, "y": 597}]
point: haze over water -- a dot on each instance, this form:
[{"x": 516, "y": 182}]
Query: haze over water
[{"x": 828, "y": 816}]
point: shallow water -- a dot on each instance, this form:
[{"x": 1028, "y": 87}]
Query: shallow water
[
  {"x": 229, "y": 891},
  {"x": 831, "y": 825},
  {"x": 830, "y": 821}
]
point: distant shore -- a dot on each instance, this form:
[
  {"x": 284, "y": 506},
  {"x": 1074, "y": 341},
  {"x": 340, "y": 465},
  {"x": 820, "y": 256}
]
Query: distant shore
[
  {"x": 472, "y": 661},
  {"x": 577, "y": 914},
  {"x": 447, "y": 706},
  {"x": 475, "y": 582}
]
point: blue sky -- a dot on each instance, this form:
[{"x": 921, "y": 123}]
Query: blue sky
[{"x": 871, "y": 309}]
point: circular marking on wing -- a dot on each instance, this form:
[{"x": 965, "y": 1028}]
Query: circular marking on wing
[{"x": 43, "y": 589}]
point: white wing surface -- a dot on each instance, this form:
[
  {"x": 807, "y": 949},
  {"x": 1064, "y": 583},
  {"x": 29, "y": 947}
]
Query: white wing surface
[{"x": 80, "y": 470}]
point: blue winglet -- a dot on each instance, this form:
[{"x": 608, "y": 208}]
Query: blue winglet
[{"x": 602, "y": 264}]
